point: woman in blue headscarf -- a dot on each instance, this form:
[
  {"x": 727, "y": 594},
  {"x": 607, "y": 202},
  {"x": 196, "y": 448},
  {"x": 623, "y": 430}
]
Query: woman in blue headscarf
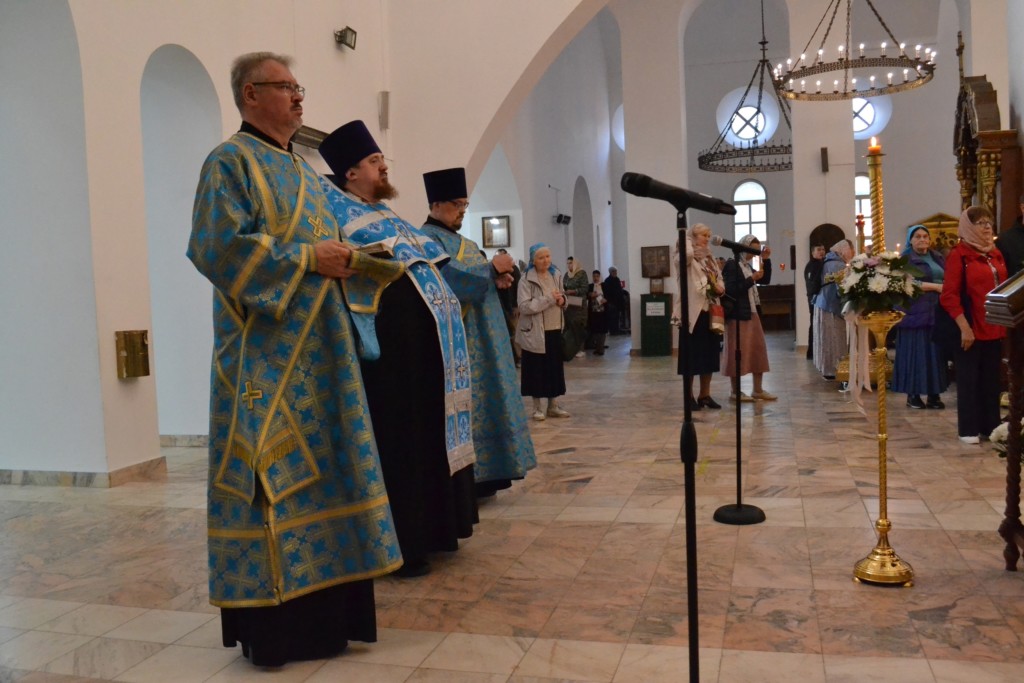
[
  {"x": 539, "y": 333},
  {"x": 920, "y": 367}
]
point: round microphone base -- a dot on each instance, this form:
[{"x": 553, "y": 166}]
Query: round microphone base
[{"x": 739, "y": 514}]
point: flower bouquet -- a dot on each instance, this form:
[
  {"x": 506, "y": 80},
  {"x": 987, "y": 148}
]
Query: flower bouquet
[
  {"x": 882, "y": 282},
  {"x": 999, "y": 436}
]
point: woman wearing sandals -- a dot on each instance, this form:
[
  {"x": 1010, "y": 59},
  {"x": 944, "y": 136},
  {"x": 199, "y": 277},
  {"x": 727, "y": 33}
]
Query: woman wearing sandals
[{"x": 740, "y": 278}]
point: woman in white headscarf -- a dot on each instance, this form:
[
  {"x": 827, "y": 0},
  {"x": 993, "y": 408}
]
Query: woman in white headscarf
[
  {"x": 974, "y": 268},
  {"x": 829, "y": 325},
  {"x": 741, "y": 279}
]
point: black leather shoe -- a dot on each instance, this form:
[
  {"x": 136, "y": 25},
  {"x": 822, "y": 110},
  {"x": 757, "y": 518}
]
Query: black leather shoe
[
  {"x": 694, "y": 404},
  {"x": 411, "y": 570},
  {"x": 708, "y": 402},
  {"x": 934, "y": 403},
  {"x": 915, "y": 402}
]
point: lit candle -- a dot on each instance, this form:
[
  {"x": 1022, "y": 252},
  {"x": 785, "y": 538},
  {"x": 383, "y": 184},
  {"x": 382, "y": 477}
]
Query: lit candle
[
  {"x": 874, "y": 147},
  {"x": 883, "y": 48},
  {"x": 862, "y": 49},
  {"x": 917, "y": 52},
  {"x": 889, "y": 77}
]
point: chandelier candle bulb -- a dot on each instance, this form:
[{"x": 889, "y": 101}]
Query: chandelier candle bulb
[
  {"x": 862, "y": 50},
  {"x": 917, "y": 51},
  {"x": 835, "y": 86},
  {"x": 903, "y": 49},
  {"x": 905, "y": 74},
  {"x": 840, "y": 52},
  {"x": 872, "y": 82},
  {"x": 883, "y": 48},
  {"x": 818, "y": 83},
  {"x": 803, "y": 85},
  {"x": 789, "y": 65},
  {"x": 888, "y": 77}
]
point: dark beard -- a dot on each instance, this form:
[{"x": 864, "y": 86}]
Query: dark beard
[{"x": 384, "y": 191}]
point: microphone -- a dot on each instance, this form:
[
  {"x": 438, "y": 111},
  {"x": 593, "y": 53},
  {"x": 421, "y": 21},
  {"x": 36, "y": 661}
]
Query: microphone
[
  {"x": 644, "y": 186},
  {"x": 720, "y": 241}
]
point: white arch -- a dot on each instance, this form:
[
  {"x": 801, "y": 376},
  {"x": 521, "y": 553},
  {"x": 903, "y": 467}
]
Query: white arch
[
  {"x": 181, "y": 118},
  {"x": 583, "y": 243}
]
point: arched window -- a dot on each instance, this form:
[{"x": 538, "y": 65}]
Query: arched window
[
  {"x": 862, "y": 205},
  {"x": 751, "y": 202},
  {"x": 747, "y": 124},
  {"x": 870, "y": 115}
]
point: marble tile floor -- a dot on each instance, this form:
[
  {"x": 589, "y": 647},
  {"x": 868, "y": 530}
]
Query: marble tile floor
[{"x": 577, "y": 574}]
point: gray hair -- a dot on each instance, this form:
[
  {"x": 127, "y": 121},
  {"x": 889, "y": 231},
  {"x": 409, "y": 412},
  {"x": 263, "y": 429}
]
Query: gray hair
[{"x": 246, "y": 69}]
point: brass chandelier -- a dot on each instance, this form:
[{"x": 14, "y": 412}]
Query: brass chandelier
[
  {"x": 752, "y": 156},
  {"x": 865, "y": 74}
]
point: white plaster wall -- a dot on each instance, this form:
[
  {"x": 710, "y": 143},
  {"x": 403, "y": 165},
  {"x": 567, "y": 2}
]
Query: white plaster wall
[
  {"x": 652, "y": 86},
  {"x": 496, "y": 194},
  {"x": 50, "y": 414},
  {"x": 558, "y": 137},
  {"x": 1015, "y": 56}
]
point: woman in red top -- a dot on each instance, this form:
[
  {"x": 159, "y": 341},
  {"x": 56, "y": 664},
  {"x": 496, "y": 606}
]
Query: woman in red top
[{"x": 974, "y": 268}]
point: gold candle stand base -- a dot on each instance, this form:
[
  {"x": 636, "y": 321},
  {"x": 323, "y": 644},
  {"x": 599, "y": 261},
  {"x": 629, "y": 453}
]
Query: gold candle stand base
[{"x": 882, "y": 565}]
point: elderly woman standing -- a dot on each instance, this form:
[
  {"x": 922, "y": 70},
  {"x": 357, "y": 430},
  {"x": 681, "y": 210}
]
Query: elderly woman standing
[
  {"x": 704, "y": 286},
  {"x": 829, "y": 326},
  {"x": 539, "y": 333},
  {"x": 740, "y": 284},
  {"x": 974, "y": 268},
  {"x": 919, "y": 367}
]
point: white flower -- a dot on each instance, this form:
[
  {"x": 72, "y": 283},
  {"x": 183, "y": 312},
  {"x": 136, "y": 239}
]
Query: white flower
[
  {"x": 878, "y": 283},
  {"x": 1001, "y": 433},
  {"x": 858, "y": 260},
  {"x": 851, "y": 280},
  {"x": 882, "y": 268}
]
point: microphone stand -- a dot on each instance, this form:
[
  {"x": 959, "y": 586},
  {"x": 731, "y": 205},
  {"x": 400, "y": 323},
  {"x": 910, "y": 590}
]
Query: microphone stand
[
  {"x": 688, "y": 452},
  {"x": 738, "y": 514}
]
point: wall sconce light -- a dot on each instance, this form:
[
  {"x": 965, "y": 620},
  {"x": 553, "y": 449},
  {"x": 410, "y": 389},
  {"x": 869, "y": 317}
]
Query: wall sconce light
[{"x": 346, "y": 37}]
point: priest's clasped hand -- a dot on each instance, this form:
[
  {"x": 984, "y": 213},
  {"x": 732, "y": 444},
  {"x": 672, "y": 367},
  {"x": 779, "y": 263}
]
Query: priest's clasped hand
[{"x": 332, "y": 259}]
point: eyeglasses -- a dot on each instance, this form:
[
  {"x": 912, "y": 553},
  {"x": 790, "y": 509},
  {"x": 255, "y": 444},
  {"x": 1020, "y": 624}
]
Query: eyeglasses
[
  {"x": 459, "y": 204},
  {"x": 985, "y": 224},
  {"x": 293, "y": 88}
]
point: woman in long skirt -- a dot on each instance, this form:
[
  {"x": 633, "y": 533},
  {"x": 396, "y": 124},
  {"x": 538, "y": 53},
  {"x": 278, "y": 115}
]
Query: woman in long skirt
[
  {"x": 740, "y": 284},
  {"x": 920, "y": 367},
  {"x": 829, "y": 325}
]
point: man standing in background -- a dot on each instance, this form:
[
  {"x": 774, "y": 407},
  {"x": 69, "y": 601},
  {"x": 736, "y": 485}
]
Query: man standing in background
[{"x": 812, "y": 280}]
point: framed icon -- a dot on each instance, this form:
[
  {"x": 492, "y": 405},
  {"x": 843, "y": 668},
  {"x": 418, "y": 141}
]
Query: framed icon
[
  {"x": 496, "y": 232},
  {"x": 654, "y": 262}
]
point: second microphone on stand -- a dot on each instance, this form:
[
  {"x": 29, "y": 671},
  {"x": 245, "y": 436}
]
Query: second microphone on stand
[{"x": 719, "y": 241}]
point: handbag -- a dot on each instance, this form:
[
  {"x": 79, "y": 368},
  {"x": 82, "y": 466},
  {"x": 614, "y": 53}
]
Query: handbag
[
  {"x": 945, "y": 332},
  {"x": 716, "y": 313}
]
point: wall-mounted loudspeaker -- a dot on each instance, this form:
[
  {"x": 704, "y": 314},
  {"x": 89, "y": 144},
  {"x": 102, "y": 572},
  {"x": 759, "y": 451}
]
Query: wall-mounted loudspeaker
[
  {"x": 562, "y": 219},
  {"x": 824, "y": 159}
]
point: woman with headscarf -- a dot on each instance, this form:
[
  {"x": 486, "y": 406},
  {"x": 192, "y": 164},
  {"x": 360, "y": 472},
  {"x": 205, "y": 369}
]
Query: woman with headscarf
[
  {"x": 539, "y": 333},
  {"x": 829, "y": 325},
  {"x": 740, "y": 281},
  {"x": 974, "y": 268},
  {"x": 919, "y": 367},
  {"x": 574, "y": 286},
  {"x": 704, "y": 287}
]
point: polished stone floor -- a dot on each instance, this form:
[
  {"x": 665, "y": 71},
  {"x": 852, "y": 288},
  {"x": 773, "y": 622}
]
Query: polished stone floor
[{"x": 578, "y": 573}]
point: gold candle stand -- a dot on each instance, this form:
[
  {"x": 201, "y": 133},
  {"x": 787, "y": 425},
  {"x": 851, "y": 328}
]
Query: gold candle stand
[
  {"x": 877, "y": 197},
  {"x": 882, "y": 565}
]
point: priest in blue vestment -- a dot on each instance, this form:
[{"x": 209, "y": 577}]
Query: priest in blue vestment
[
  {"x": 298, "y": 517},
  {"x": 415, "y": 358},
  {"x": 501, "y": 434}
]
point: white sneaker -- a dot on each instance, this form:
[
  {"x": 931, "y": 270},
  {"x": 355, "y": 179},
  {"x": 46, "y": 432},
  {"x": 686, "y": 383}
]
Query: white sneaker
[
  {"x": 743, "y": 398},
  {"x": 970, "y": 439},
  {"x": 539, "y": 415},
  {"x": 580, "y": 354},
  {"x": 557, "y": 412}
]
